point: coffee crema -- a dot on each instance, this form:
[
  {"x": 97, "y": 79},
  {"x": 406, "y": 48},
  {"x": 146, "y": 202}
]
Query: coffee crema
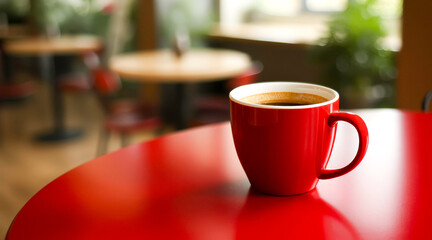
[{"x": 284, "y": 99}]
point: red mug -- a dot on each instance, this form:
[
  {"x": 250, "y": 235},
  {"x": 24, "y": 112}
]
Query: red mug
[{"x": 284, "y": 150}]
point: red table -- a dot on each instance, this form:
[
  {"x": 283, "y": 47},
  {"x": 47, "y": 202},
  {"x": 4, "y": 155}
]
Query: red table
[{"x": 190, "y": 185}]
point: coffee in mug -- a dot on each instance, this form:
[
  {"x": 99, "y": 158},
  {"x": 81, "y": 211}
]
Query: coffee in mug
[
  {"x": 284, "y": 133},
  {"x": 284, "y": 99}
]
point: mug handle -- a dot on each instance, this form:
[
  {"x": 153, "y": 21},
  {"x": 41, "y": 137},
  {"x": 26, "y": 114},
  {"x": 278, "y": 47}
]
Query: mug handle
[{"x": 363, "y": 134}]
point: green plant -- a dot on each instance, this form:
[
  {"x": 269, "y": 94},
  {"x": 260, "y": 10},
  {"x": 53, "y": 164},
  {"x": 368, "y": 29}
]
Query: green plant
[
  {"x": 352, "y": 52},
  {"x": 16, "y": 10},
  {"x": 187, "y": 17},
  {"x": 84, "y": 16}
]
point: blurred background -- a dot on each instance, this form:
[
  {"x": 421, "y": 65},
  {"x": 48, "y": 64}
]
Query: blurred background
[{"x": 365, "y": 49}]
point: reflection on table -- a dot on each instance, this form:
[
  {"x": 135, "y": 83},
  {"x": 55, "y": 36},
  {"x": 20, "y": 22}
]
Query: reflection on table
[
  {"x": 57, "y": 47},
  {"x": 190, "y": 185},
  {"x": 177, "y": 73}
]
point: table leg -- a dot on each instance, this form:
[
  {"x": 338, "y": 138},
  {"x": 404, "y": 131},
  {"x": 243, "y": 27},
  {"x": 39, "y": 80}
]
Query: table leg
[
  {"x": 59, "y": 132},
  {"x": 176, "y": 104}
]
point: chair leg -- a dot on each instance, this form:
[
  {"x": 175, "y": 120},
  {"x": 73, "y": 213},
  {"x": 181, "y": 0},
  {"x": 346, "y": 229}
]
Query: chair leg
[
  {"x": 124, "y": 139},
  {"x": 103, "y": 142},
  {"x": 1, "y": 126}
]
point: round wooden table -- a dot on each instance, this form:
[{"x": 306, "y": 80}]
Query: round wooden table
[
  {"x": 190, "y": 185},
  {"x": 195, "y": 65},
  {"x": 54, "y": 46},
  {"x": 58, "y": 47}
]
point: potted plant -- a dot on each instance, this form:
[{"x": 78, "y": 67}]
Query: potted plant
[{"x": 353, "y": 57}]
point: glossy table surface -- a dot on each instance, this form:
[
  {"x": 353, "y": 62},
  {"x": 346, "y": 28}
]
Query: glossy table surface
[
  {"x": 196, "y": 65},
  {"x": 190, "y": 185}
]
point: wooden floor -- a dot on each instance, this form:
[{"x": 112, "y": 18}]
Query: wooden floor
[{"x": 27, "y": 165}]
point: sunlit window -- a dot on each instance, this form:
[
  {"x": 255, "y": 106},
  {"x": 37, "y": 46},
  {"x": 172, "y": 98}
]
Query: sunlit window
[
  {"x": 295, "y": 7},
  {"x": 325, "y": 6},
  {"x": 281, "y": 7},
  {"x": 235, "y": 11}
]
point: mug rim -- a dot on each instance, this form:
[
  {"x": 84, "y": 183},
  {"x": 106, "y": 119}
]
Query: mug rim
[{"x": 263, "y": 87}]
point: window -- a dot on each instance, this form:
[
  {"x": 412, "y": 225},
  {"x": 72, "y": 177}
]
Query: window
[
  {"x": 237, "y": 11},
  {"x": 296, "y": 21},
  {"x": 295, "y": 7},
  {"x": 280, "y": 7},
  {"x": 325, "y": 6}
]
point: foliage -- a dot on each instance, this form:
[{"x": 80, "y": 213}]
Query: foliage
[
  {"x": 85, "y": 16},
  {"x": 15, "y": 10},
  {"x": 352, "y": 51},
  {"x": 192, "y": 17}
]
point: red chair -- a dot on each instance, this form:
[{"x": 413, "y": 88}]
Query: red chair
[
  {"x": 215, "y": 108},
  {"x": 75, "y": 83},
  {"x": 122, "y": 116},
  {"x": 11, "y": 91},
  {"x": 80, "y": 82},
  {"x": 16, "y": 92}
]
